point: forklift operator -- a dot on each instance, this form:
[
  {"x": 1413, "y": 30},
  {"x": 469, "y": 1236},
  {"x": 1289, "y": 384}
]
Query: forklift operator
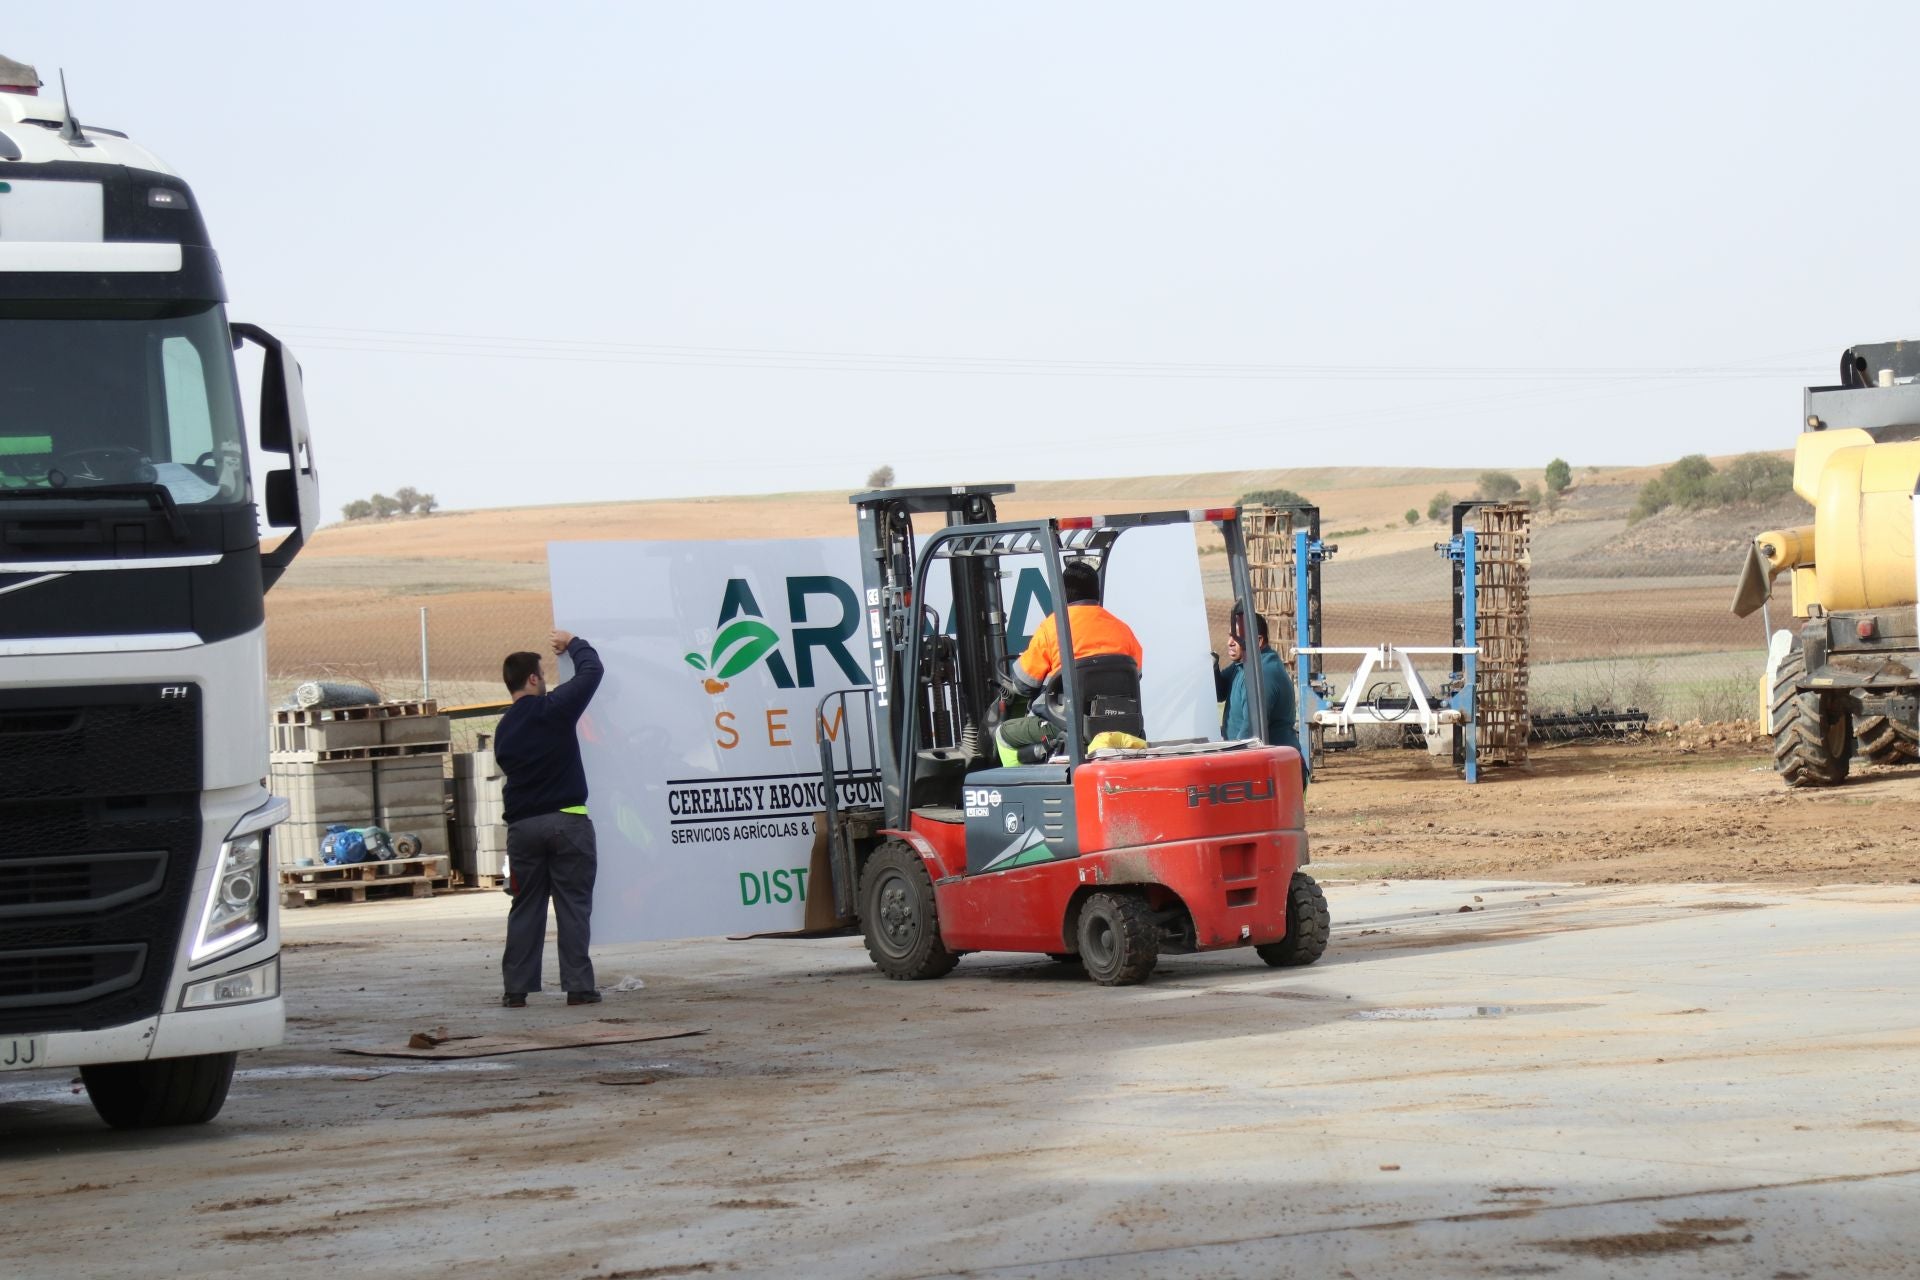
[{"x": 1095, "y": 631}]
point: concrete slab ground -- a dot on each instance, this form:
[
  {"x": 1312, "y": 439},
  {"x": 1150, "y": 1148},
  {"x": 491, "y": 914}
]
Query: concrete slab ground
[{"x": 1563, "y": 1081}]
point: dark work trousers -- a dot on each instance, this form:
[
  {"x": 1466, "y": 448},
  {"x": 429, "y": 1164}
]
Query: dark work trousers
[{"x": 550, "y": 856}]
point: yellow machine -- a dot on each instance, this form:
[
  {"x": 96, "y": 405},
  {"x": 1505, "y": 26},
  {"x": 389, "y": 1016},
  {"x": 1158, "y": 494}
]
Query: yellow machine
[{"x": 1846, "y": 679}]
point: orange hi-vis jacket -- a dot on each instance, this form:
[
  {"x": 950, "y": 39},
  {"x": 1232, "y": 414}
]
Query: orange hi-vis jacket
[{"x": 1095, "y": 631}]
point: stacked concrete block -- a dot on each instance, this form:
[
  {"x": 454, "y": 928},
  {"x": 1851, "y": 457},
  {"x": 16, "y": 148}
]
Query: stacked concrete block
[
  {"x": 320, "y": 793},
  {"x": 429, "y": 732},
  {"x": 381, "y": 765},
  {"x": 410, "y": 798},
  {"x": 479, "y": 820},
  {"x": 324, "y": 738}
]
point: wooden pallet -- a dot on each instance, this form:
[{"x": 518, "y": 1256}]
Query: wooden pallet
[
  {"x": 354, "y": 881},
  {"x": 1503, "y": 616},
  {"x": 378, "y": 751},
  {"x": 433, "y": 865},
  {"x": 370, "y": 711},
  {"x": 394, "y": 887}
]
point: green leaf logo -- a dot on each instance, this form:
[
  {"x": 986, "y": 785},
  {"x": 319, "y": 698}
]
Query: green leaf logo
[
  {"x": 697, "y": 662},
  {"x": 749, "y": 640}
]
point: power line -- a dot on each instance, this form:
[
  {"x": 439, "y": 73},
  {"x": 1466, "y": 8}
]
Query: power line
[{"x": 590, "y": 351}]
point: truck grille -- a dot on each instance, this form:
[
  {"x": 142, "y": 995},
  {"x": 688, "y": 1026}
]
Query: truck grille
[
  {"x": 114, "y": 740},
  {"x": 99, "y": 838},
  {"x": 77, "y": 883},
  {"x": 31, "y": 979}
]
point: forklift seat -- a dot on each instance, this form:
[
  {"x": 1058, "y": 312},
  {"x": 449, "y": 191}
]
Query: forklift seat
[
  {"x": 1109, "y": 687},
  {"x": 938, "y": 776}
]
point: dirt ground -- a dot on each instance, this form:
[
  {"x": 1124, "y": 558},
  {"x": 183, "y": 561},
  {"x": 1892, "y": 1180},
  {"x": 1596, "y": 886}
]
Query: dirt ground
[
  {"x": 1653, "y": 812},
  {"x": 1480, "y": 1079},
  {"x": 1528, "y": 1051}
]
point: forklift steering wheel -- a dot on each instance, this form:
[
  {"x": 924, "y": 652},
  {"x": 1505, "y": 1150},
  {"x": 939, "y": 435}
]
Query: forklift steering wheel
[
  {"x": 1003, "y": 676},
  {"x": 1050, "y": 704}
]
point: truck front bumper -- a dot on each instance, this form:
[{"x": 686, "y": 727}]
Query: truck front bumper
[{"x": 170, "y": 1035}]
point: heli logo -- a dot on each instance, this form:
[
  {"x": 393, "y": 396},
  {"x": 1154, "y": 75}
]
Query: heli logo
[
  {"x": 743, "y": 637},
  {"x": 176, "y": 690},
  {"x": 1230, "y": 793}
]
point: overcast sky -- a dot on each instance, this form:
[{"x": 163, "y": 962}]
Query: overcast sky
[{"x": 558, "y": 252}]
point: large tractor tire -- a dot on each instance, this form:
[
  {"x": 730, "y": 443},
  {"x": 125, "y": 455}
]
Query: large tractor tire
[
  {"x": 1308, "y": 926},
  {"x": 1812, "y": 732},
  {"x": 1119, "y": 939},
  {"x": 160, "y": 1091},
  {"x": 1883, "y": 740},
  {"x": 899, "y": 917}
]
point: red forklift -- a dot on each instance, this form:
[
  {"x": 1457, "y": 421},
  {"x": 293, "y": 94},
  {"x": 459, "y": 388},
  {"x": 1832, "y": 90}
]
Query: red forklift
[{"x": 1102, "y": 857}]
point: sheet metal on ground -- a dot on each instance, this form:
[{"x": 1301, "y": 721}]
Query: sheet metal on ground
[{"x": 1678, "y": 1082}]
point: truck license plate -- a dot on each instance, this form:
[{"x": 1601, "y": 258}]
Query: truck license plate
[{"x": 20, "y": 1052}]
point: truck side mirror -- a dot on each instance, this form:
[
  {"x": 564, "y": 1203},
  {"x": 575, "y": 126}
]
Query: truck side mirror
[{"x": 292, "y": 492}]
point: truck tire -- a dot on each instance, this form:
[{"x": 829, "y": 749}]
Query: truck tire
[
  {"x": 160, "y": 1091},
  {"x": 899, "y": 918},
  {"x": 1119, "y": 939},
  {"x": 1883, "y": 740},
  {"x": 1812, "y": 737},
  {"x": 1308, "y": 926}
]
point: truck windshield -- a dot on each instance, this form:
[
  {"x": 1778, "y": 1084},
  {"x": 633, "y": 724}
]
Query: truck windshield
[{"x": 120, "y": 395}]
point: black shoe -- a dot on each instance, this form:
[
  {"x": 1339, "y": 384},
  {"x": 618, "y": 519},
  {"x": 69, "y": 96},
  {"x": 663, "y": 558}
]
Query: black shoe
[
  {"x": 514, "y": 1000},
  {"x": 583, "y": 997}
]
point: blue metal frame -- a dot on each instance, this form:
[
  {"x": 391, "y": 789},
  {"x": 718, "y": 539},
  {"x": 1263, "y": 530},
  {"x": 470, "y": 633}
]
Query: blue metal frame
[
  {"x": 1307, "y": 552},
  {"x": 1464, "y": 549},
  {"x": 1308, "y": 700}
]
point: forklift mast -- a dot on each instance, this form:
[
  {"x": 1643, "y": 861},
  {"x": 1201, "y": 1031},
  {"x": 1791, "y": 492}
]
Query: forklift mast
[{"x": 957, "y": 681}]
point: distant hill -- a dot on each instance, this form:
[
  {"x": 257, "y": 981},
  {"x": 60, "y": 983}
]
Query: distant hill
[{"x": 1365, "y": 506}]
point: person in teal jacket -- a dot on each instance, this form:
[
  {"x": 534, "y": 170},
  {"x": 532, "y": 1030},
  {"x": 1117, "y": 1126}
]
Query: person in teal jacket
[{"x": 1276, "y": 682}]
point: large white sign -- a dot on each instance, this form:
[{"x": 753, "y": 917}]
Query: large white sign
[{"x": 700, "y": 746}]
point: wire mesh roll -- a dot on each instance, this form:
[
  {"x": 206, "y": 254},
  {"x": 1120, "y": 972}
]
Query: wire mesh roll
[{"x": 332, "y": 693}]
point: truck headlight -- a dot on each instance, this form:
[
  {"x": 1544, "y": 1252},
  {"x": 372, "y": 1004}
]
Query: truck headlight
[{"x": 233, "y": 916}]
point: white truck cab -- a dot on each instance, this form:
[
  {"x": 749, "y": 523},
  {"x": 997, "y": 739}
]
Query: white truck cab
[{"x": 139, "y": 938}]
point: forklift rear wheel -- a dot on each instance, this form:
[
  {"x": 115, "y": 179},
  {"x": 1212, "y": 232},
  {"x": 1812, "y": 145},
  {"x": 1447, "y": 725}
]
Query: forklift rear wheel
[
  {"x": 898, "y": 914},
  {"x": 1119, "y": 939},
  {"x": 1308, "y": 925}
]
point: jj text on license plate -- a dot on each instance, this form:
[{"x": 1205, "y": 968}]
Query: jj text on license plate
[{"x": 20, "y": 1052}]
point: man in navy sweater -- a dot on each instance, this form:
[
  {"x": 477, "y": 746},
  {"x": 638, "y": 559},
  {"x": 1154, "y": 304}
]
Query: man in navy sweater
[{"x": 550, "y": 843}]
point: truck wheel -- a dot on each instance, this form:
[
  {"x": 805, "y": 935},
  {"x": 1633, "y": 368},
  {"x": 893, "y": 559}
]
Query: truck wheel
[
  {"x": 160, "y": 1091},
  {"x": 898, "y": 915},
  {"x": 1812, "y": 739},
  {"x": 1883, "y": 740},
  {"x": 1308, "y": 926},
  {"x": 1119, "y": 939}
]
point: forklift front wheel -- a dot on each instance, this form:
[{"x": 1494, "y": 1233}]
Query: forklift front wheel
[
  {"x": 898, "y": 914},
  {"x": 1119, "y": 939},
  {"x": 1308, "y": 925}
]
